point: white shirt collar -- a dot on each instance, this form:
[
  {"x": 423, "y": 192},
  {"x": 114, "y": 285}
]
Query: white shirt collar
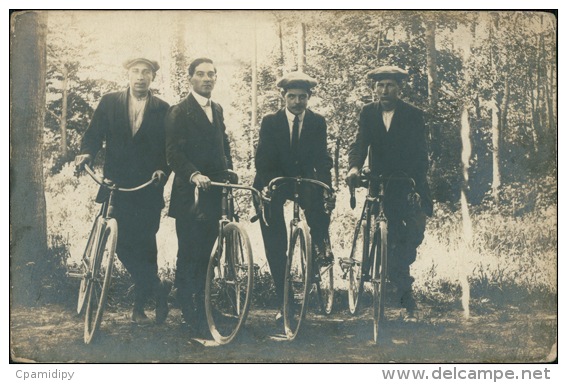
[
  {"x": 291, "y": 116},
  {"x": 136, "y": 98},
  {"x": 200, "y": 99}
]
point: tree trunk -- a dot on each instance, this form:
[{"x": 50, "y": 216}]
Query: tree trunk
[
  {"x": 301, "y": 48},
  {"x": 280, "y": 74},
  {"x": 495, "y": 151},
  {"x": 336, "y": 161},
  {"x": 550, "y": 112},
  {"x": 433, "y": 84},
  {"x": 254, "y": 97},
  {"x": 28, "y": 234},
  {"x": 65, "y": 71}
]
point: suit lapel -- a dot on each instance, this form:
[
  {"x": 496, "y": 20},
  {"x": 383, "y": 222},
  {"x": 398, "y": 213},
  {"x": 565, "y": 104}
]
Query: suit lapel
[
  {"x": 282, "y": 129},
  {"x": 308, "y": 121},
  {"x": 395, "y": 124},
  {"x": 123, "y": 123},
  {"x": 196, "y": 114},
  {"x": 150, "y": 106}
]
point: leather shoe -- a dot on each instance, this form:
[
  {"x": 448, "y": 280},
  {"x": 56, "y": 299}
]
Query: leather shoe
[
  {"x": 410, "y": 317},
  {"x": 279, "y": 318},
  {"x": 162, "y": 308},
  {"x": 140, "y": 318}
]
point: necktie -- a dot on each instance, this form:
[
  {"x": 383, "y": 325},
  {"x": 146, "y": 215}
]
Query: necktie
[{"x": 295, "y": 137}]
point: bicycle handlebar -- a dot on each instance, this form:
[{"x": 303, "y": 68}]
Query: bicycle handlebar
[
  {"x": 254, "y": 191},
  {"x": 279, "y": 181},
  {"x": 110, "y": 185},
  {"x": 365, "y": 177}
]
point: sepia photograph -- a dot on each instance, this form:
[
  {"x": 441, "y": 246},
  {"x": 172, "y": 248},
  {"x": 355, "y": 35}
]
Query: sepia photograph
[{"x": 283, "y": 186}]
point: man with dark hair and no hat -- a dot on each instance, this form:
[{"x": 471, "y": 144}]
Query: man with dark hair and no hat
[
  {"x": 395, "y": 132},
  {"x": 131, "y": 123},
  {"x": 293, "y": 142},
  {"x": 198, "y": 151}
]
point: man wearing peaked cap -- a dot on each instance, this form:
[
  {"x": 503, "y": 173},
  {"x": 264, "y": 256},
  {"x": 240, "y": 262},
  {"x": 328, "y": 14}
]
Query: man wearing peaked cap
[
  {"x": 395, "y": 132},
  {"x": 154, "y": 65},
  {"x": 131, "y": 122},
  {"x": 388, "y": 72},
  {"x": 298, "y": 80},
  {"x": 293, "y": 142}
]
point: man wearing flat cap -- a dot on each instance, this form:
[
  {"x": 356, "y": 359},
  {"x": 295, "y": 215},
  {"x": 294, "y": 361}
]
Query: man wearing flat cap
[
  {"x": 131, "y": 123},
  {"x": 395, "y": 132},
  {"x": 293, "y": 142},
  {"x": 198, "y": 151}
]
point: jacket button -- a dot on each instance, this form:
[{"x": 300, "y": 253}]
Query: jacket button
[{"x": 297, "y": 162}]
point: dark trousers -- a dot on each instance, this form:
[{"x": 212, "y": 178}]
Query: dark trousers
[
  {"x": 137, "y": 248},
  {"x": 275, "y": 235},
  {"x": 405, "y": 234},
  {"x": 195, "y": 239}
]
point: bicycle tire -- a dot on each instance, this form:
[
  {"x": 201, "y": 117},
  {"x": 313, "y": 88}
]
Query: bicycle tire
[
  {"x": 379, "y": 284},
  {"x": 101, "y": 279},
  {"x": 89, "y": 256},
  {"x": 324, "y": 280},
  {"x": 297, "y": 280},
  {"x": 229, "y": 284},
  {"x": 359, "y": 253}
]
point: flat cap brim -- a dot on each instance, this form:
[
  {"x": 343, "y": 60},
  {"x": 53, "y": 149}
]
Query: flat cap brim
[
  {"x": 152, "y": 63},
  {"x": 297, "y": 79},
  {"x": 387, "y": 72}
]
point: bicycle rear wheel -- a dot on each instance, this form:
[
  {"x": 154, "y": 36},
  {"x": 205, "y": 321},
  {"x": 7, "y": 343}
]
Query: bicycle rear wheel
[
  {"x": 325, "y": 287},
  {"x": 359, "y": 253},
  {"x": 297, "y": 280},
  {"x": 87, "y": 264},
  {"x": 101, "y": 278},
  {"x": 229, "y": 284},
  {"x": 379, "y": 279}
]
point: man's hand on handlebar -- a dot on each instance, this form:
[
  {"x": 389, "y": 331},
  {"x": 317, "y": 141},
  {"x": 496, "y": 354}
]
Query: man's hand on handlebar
[
  {"x": 202, "y": 182},
  {"x": 82, "y": 160},
  {"x": 352, "y": 177},
  {"x": 159, "y": 178},
  {"x": 330, "y": 202}
]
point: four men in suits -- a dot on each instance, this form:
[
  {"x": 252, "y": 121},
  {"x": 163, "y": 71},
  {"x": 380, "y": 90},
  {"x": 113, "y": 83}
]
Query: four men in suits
[
  {"x": 198, "y": 151},
  {"x": 293, "y": 142},
  {"x": 132, "y": 124},
  {"x": 395, "y": 132},
  {"x": 143, "y": 136}
]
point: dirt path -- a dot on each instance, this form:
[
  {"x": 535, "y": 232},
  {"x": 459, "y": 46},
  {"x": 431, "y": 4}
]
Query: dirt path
[{"x": 53, "y": 333}]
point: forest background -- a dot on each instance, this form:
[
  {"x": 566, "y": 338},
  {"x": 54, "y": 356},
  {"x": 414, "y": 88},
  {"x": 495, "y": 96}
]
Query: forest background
[{"x": 487, "y": 82}]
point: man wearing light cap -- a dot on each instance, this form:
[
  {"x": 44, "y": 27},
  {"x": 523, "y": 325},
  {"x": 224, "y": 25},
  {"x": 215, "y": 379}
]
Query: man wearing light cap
[
  {"x": 293, "y": 142},
  {"x": 131, "y": 122},
  {"x": 395, "y": 132}
]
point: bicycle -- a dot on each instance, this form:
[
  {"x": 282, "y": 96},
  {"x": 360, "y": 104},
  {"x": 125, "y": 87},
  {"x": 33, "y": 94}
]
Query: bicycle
[
  {"x": 95, "y": 270},
  {"x": 299, "y": 276},
  {"x": 370, "y": 236},
  {"x": 230, "y": 273}
]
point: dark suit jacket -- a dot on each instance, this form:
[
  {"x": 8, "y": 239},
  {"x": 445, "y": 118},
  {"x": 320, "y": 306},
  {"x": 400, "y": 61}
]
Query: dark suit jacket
[
  {"x": 194, "y": 144},
  {"x": 130, "y": 161},
  {"x": 273, "y": 156},
  {"x": 402, "y": 148}
]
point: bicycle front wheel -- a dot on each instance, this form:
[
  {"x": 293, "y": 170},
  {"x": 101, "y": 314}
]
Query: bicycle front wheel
[
  {"x": 360, "y": 246},
  {"x": 89, "y": 257},
  {"x": 100, "y": 279},
  {"x": 379, "y": 279},
  {"x": 297, "y": 280},
  {"x": 229, "y": 283}
]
